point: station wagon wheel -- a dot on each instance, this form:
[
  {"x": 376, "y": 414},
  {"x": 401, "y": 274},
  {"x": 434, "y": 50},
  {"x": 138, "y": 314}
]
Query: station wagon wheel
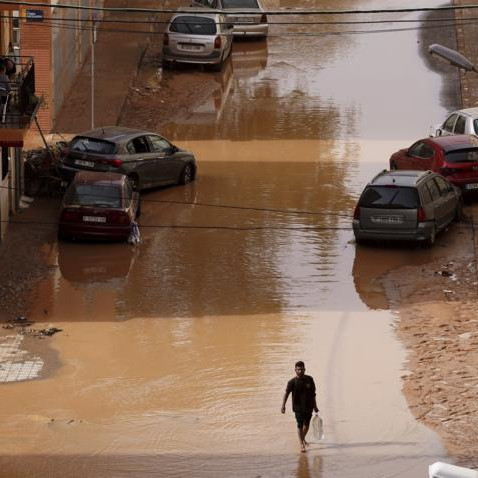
[
  {"x": 431, "y": 239},
  {"x": 187, "y": 174}
]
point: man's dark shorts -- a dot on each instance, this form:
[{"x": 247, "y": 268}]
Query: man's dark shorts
[{"x": 303, "y": 418}]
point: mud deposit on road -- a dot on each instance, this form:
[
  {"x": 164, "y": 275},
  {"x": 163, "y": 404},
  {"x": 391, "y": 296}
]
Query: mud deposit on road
[{"x": 438, "y": 324}]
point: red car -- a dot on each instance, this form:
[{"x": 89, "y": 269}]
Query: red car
[
  {"x": 454, "y": 156},
  {"x": 98, "y": 206}
]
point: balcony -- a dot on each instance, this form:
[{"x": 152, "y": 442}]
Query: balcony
[{"x": 21, "y": 104}]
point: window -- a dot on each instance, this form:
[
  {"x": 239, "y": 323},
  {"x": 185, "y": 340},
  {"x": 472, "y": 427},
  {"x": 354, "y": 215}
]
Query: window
[
  {"x": 138, "y": 145},
  {"x": 462, "y": 156},
  {"x": 442, "y": 186},
  {"x": 195, "y": 25},
  {"x": 159, "y": 145},
  {"x": 421, "y": 150},
  {"x": 449, "y": 123},
  {"x": 390, "y": 197},
  {"x": 475, "y": 126},
  {"x": 92, "y": 145},
  {"x": 433, "y": 188},
  {"x": 240, "y": 4},
  {"x": 460, "y": 125},
  {"x": 5, "y": 162},
  {"x": 93, "y": 195},
  {"x": 426, "y": 195}
]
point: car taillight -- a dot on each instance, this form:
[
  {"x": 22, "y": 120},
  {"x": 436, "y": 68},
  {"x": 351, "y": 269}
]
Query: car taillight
[
  {"x": 166, "y": 39},
  {"x": 263, "y": 18},
  {"x": 357, "y": 212},
  {"x": 421, "y": 215},
  {"x": 217, "y": 42},
  {"x": 116, "y": 162},
  {"x": 119, "y": 217},
  {"x": 70, "y": 215}
]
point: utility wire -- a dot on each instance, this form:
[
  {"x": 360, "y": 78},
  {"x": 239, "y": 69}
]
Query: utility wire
[
  {"x": 268, "y": 12},
  {"x": 224, "y": 206}
]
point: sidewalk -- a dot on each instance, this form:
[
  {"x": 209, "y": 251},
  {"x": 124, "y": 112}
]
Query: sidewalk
[{"x": 118, "y": 56}]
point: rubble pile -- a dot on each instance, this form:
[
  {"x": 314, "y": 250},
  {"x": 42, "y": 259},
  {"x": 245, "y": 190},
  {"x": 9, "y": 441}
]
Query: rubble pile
[{"x": 22, "y": 324}]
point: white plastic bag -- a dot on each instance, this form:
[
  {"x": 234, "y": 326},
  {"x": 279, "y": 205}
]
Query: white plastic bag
[
  {"x": 134, "y": 237},
  {"x": 317, "y": 427}
]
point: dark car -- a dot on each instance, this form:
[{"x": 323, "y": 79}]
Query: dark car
[
  {"x": 98, "y": 206},
  {"x": 455, "y": 157},
  {"x": 406, "y": 206},
  {"x": 148, "y": 159}
]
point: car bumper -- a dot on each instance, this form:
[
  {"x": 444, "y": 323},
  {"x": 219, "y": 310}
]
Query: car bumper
[
  {"x": 420, "y": 234},
  {"x": 94, "y": 232},
  {"x": 212, "y": 59},
  {"x": 257, "y": 30}
]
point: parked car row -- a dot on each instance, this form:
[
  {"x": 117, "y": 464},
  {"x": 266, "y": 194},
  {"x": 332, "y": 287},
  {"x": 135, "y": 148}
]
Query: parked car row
[
  {"x": 106, "y": 168},
  {"x": 422, "y": 193},
  {"x": 206, "y": 38}
]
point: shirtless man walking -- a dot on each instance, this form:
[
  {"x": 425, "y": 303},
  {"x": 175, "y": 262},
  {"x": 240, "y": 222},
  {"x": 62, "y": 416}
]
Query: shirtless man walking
[{"x": 302, "y": 387}]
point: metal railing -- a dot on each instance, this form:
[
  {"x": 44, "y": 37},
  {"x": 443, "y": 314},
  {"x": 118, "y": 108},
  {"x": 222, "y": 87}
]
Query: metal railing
[{"x": 19, "y": 103}]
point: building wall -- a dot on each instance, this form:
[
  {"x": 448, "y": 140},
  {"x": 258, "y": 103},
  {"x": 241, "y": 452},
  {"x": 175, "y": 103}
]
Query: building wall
[
  {"x": 59, "y": 52},
  {"x": 35, "y": 41}
]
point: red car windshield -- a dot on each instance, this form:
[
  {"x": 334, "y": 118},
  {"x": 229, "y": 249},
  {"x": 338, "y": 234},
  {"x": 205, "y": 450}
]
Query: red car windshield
[
  {"x": 462, "y": 156},
  {"x": 93, "y": 195},
  {"x": 389, "y": 197}
]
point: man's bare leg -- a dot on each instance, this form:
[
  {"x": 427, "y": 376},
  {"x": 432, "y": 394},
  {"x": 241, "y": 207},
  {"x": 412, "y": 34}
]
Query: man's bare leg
[{"x": 300, "y": 432}]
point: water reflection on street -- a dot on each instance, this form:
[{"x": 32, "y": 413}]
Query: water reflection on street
[{"x": 176, "y": 353}]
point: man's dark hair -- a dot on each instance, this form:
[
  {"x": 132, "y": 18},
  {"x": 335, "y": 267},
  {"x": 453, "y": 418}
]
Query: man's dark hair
[{"x": 300, "y": 364}]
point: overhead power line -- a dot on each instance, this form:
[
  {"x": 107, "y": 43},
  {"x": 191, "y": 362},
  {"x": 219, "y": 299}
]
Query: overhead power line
[{"x": 269, "y": 12}]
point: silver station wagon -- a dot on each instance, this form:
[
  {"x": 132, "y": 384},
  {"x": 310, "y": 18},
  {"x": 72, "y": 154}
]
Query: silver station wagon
[
  {"x": 406, "y": 206},
  {"x": 204, "y": 39}
]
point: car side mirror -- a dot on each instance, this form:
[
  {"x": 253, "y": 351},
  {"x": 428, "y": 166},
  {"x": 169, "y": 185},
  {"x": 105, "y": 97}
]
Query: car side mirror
[
  {"x": 229, "y": 26},
  {"x": 438, "y": 132}
]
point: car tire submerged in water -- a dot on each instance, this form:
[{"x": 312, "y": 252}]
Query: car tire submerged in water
[
  {"x": 431, "y": 239},
  {"x": 187, "y": 175}
]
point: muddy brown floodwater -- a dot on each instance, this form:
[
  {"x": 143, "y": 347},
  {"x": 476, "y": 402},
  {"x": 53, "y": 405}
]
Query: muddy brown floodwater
[{"x": 174, "y": 354}]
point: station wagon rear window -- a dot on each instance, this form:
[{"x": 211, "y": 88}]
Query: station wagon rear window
[
  {"x": 193, "y": 25},
  {"x": 240, "y": 4},
  {"x": 462, "y": 156},
  {"x": 92, "y": 145},
  {"x": 390, "y": 197},
  {"x": 93, "y": 195}
]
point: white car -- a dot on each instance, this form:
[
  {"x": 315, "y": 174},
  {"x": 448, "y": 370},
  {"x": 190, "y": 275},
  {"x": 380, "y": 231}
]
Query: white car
[
  {"x": 247, "y": 16},
  {"x": 458, "y": 122}
]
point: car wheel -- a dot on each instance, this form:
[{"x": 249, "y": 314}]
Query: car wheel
[
  {"x": 62, "y": 236},
  {"x": 459, "y": 213},
  {"x": 138, "y": 210},
  {"x": 167, "y": 65},
  {"x": 187, "y": 175},
  {"x": 431, "y": 238},
  {"x": 218, "y": 67}
]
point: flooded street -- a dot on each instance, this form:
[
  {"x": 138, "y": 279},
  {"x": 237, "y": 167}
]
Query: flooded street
[{"x": 175, "y": 354}]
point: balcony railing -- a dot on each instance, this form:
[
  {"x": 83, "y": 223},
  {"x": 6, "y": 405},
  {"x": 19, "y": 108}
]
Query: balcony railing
[{"x": 19, "y": 104}]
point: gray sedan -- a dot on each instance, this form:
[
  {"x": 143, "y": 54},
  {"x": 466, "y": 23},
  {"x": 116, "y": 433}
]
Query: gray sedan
[{"x": 148, "y": 159}]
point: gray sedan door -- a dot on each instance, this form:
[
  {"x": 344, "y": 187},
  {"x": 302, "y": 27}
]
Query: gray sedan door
[{"x": 166, "y": 169}]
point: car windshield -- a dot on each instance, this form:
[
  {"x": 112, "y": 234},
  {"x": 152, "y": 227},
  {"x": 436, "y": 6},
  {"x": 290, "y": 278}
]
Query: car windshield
[
  {"x": 462, "y": 156},
  {"x": 240, "y": 4},
  {"x": 92, "y": 145},
  {"x": 193, "y": 25},
  {"x": 390, "y": 197},
  {"x": 93, "y": 195}
]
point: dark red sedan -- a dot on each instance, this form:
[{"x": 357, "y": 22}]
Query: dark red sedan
[
  {"x": 99, "y": 206},
  {"x": 454, "y": 156}
]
